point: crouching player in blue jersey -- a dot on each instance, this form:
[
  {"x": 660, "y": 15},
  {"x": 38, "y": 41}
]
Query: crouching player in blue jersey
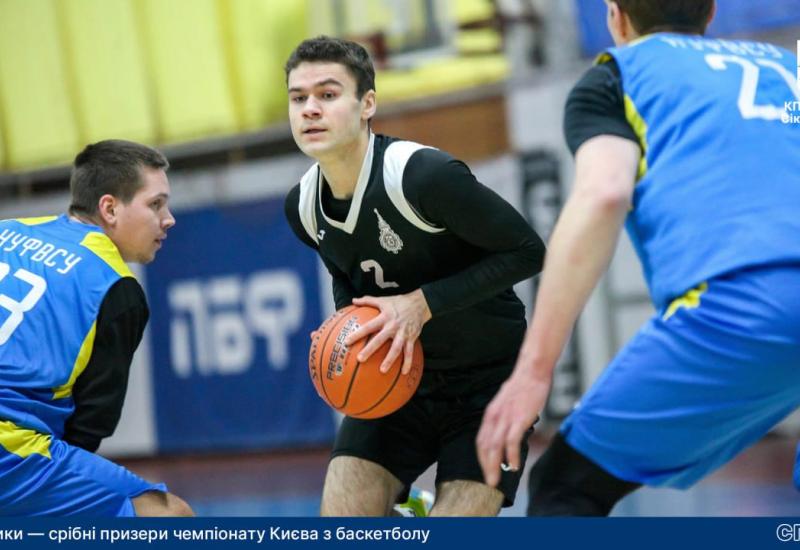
[
  {"x": 71, "y": 316},
  {"x": 686, "y": 139}
]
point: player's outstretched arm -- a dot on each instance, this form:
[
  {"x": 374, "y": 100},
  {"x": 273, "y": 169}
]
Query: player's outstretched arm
[
  {"x": 400, "y": 321},
  {"x": 579, "y": 251}
]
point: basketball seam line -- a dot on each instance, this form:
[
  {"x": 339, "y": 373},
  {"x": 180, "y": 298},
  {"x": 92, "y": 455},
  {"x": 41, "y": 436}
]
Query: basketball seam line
[
  {"x": 341, "y": 313},
  {"x": 388, "y": 391},
  {"x": 355, "y": 373}
]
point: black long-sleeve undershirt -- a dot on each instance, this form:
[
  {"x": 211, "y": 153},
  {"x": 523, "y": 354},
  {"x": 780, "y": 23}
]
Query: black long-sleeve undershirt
[
  {"x": 596, "y": 106},
  {"x": 99, "y": 391},
  {"x": 478, "y": 216}
]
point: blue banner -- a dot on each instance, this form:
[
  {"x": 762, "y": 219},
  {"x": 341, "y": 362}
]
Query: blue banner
[
  {"x": 447, "y": 534},
  {"x": 233, "y": 297},
  {"x": 733, "y": 17}
]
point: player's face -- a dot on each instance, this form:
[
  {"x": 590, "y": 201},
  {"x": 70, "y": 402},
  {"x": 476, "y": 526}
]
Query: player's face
[
  {"x": 141, "y": 225},
  {"x": 326, "y": 116}
]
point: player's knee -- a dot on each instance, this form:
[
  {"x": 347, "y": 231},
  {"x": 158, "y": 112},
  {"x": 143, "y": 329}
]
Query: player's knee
[
  {"x": 565, "y": 483},
  {"x": 178, "y": 507},
  {"x": 358, "y": 487},
  {"x": 158, "y": 504},
  {"x": 462, "y": 498}
]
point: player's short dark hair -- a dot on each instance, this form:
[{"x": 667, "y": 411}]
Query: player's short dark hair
[
  {"x": 110, "y": 167},
  {"x": 325, "y": 49},
  {"x": 667, "y": 15}
]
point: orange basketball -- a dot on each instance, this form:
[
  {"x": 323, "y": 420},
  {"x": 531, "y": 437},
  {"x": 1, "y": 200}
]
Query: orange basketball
[{"x": 358, "y": 389}]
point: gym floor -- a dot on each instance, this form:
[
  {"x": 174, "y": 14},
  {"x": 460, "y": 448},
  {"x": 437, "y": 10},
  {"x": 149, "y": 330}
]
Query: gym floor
[{"x": 756, "y": 483}]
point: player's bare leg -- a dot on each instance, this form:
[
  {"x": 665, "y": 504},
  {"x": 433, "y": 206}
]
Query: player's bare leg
[
  {"x": 156, "y": 503},
  {"x": 357, "y": 487},
  {"x": 466, "y": 498}
]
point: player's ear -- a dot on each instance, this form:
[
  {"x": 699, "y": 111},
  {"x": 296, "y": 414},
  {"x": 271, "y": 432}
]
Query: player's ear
[
  {"x": 107, "y": 209},
  {"x": 369, "y": 104},
  {"x": 618, "y": 23}
]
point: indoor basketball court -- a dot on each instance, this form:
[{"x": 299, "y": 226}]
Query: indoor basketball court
[
  {"x": 757, "y": 483},
  {"x": 232, "y": 391}
]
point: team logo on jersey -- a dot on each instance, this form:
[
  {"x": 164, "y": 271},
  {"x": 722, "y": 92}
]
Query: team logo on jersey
[{"x": 389, "y": 240}]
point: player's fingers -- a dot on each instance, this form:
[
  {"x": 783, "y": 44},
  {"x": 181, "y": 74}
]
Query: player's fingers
[
  {"x": 490, "y": 464},
  {"x": 373, "y": 344},
  {"x": 482, "y": 449},
  {"x": 408, "y": 356},
  {"x": 513, "y": 440},
  {"x": 489, "y": 445},
  {"x": 484, "y": 432},
  {"x": 393, "y": 355},
  {"x": 373, "y": 325},
  {"x": 366, "y": 301}
]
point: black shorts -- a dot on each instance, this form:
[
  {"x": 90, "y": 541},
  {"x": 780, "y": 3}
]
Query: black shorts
[{"x": 439, "y": 425}]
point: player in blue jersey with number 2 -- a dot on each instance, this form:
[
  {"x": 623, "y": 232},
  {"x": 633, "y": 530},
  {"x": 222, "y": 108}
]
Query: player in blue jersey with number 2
[
  {"x": 685, "y": 140},
  {"x": 71, "y": 316}
]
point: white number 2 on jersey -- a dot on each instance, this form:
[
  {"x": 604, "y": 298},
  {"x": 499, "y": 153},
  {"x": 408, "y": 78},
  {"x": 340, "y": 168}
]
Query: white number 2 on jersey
[
  {"x": 750, "y": 74},
  {"x": 18, "y": 309},
  {"x": 370, "y": 265}
]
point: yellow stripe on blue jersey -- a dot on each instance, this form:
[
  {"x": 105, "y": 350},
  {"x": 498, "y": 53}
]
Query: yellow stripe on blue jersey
[
  {"x": 101, "y": 244},
  {"x": 84, "y": 355},
  {"x": 640, "y": 129},
  {"x": 23, "y": 442},
  {"x": 690, "y": 300},
  {"x": 36, "y": 221}
]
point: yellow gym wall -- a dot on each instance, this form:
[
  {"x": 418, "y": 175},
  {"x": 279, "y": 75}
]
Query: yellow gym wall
[{"x": 170, "y": 71}]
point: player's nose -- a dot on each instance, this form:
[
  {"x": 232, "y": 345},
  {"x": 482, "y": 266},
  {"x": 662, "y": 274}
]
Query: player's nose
[
  {"x": 312, "y": 107},
  {"x": 168, "y": 221}
]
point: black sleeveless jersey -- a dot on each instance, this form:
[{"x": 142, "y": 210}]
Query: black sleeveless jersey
[{"x": 419, "y": 219}]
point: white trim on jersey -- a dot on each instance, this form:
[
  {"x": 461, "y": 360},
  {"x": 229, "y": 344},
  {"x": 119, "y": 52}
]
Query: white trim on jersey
[
  {"x": 395, "y": 159},
  {"x": 349, "y": 224},
  {"x": 311, "y": 192},
  {"x": 308, "y": 198}
]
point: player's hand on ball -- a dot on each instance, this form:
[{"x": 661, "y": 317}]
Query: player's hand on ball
[
  {"x": 400, "y": 321},
  {"x": 506, "y": 420}
]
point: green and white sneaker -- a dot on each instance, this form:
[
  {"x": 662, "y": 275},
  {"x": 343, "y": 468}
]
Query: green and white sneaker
[{"x": 418, "y": 505}]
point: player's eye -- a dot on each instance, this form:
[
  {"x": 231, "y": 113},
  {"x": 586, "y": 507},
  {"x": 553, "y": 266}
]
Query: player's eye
[
  {"x": 297, "y": 98},
  {"x": 329, "y": 95}
]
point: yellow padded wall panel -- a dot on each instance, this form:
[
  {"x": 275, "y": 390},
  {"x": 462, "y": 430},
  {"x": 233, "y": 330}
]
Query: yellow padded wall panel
[
  {"x": 261, "y": 34},
  {"x": 2, "y": 146},
  {"x": 106, "y": 63},
  {"x": 469, "y": 11},
  {"x": 188, "y": 68},
  {"x": 37, "y": 118},
  {"x": 441, "y": 77}
]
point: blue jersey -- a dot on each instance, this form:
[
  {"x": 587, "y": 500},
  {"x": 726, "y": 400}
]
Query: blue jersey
[
  {"x": 719, "y": 186},
  {"x": 54, "y": 275}
]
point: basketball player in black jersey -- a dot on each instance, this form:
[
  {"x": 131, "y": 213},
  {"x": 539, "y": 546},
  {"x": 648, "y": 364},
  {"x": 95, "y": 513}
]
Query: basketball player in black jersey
[{"x": 407, "y": 229}]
